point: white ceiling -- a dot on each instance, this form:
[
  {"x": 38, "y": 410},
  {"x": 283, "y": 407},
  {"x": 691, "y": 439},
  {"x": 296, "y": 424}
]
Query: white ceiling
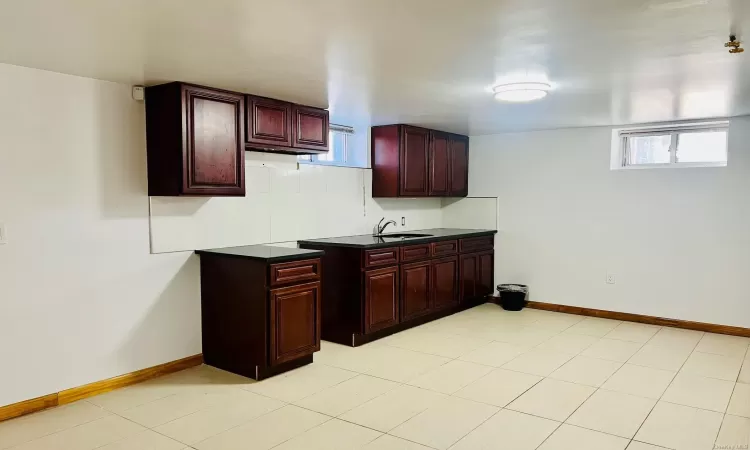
[{"x": 424, "y": 62}]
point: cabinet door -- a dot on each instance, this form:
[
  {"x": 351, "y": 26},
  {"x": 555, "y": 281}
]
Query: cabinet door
[
  {"x": 269, "y": 122},
  {"x": 439, "y": 158},
  {"x": 381, "y": 298},
  {"x": 468, "y": 273},
  {"x": 295, "y": 322},
  {"x": 486, "y": 263},
  {"x": 310, "y": 128},
  {"x": 213, "y": 150},
  {"x": 415, "y": 290},
  {"x": 414, "y": 162},
  {"x": 459, "y": 166},
  {"x": 444, "y": 283}
]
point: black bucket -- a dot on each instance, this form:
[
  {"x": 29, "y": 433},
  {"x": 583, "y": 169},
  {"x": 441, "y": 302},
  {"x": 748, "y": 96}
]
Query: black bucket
[{"x": 513, "y": 297}]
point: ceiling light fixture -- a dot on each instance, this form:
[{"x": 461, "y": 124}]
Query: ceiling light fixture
[{"x": 521, "y": 92}]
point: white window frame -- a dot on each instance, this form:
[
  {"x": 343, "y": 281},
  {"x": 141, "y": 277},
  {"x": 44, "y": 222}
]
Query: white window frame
[
  {"x": 347, "y": 132},
  {"x": 620, "y": 144}
]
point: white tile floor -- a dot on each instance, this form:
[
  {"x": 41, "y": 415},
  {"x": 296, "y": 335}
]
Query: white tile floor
[{"x": 481, "y": 379}]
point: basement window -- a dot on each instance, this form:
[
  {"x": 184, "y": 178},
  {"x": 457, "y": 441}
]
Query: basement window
[
  {"x": 682, "y": 145},
  {"x": 343, "y": 150}
]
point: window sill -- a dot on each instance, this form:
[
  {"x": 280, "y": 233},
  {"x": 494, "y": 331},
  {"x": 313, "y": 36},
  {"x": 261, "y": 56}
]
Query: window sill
[
  {"x": 331, "y": 163},
  {"x": 672, "y": 166}
]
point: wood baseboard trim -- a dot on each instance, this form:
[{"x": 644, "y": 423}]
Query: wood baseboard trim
[
  {"x": 97, "y": 387},
  {"x": 27, "y": 407},
  {"x": 651, "y": 320}
]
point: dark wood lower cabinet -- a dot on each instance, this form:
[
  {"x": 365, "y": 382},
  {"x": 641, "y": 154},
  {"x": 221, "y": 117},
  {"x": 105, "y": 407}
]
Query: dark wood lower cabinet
[
  {"x": 476, "y": 275},
  {"x": 254, "y": 323},
  {"x": 415, "y": 290},
  {"x": 444, "y": 283},
  {"x": 371, "y": 292},
  {"x": 295, "y": 322},
  {"x": 381, "y": 298}
]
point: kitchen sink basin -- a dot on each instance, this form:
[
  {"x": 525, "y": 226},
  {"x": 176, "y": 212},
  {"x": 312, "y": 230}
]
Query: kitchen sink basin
[{"x": 402, "y": 235}]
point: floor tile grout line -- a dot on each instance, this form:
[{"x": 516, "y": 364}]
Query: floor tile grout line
[
  {"x": 662, "y": 394},
  {"x": 110, "y": 413}
]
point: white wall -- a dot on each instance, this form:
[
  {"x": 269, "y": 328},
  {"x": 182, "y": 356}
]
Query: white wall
[
  {"x": 677, "y": 240},
  {"x": 284, "y": 203},
  {"x": 81, "y": 298}
]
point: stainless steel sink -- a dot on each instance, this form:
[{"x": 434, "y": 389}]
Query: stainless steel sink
[{"x": 402, "y": 235}]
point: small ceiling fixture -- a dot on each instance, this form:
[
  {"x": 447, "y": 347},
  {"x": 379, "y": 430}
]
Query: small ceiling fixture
[
  {"x": 734, "y": 45},
  {"x": 526, "y": 91}
]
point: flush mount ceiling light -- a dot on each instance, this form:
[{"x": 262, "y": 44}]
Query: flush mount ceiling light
[{"x": 527, "y": 91}]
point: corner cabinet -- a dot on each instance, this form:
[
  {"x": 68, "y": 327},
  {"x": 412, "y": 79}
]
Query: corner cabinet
[
  {"x": 416, "y": 162},
  {"x": 195, "y": 140}
]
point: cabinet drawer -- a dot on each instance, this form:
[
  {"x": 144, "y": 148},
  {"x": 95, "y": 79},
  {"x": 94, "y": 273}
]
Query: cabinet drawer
[
  {"x": 444, "y": 248},
  {"x": 415, "y": 252},
  {"x": 381, "y": 257},
  {"x": 477, "y": 244},
  {"x": 295, "y": 272}
]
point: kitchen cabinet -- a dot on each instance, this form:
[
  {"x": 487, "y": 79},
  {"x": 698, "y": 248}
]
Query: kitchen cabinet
[
  {"x": 440, "y": 168},
  {"x": 409, "y": 161},
  {"x": 195, "y": 140},
  {"x": 196, "y": 137},
  {"x": 295, "y": 322},
  {"x": 381, "y": 298},
  {"x": 260, "y": 308},
  {"x": 310, "y": 128},
  {"x": 415, "y": 290},
  {"x": 377, "y": 287},
  {"x": 476, "y": 275},
  {"x": 282, "y": 127},
  {"x": 269, "y": 122},
  {"x": 459, "y": 166},
  {"x": 414, "y": 162},
  {"x": 445, "y": 283}
]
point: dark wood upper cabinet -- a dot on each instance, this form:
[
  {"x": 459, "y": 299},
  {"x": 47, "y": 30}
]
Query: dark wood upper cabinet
[
  {"x": 310, "y": 128},
  {"x": 295, "y": 322},
  {"x": 195, "y": 139},
  {"x": 415, "y": 162},
  {"x": 444, "y": 283},
  {"x": 269, "y": 122},
  {"x": 440, "y": 169},
  {"x": 381, "y": 298},
  {"x": 415, "y": 290},
  {"x": 459, "y": 166}
]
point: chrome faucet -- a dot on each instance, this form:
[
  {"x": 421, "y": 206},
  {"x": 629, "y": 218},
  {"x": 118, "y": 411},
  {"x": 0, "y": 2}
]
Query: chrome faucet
[{"x": 378, "y": 230}]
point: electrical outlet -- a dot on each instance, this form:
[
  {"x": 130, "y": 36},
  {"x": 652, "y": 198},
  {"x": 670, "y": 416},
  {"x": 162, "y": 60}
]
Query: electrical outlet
[
  {"x": 403, "y": 221},
  {"x": 610, "y": 278},
  {"x": 3, "y": 234}
]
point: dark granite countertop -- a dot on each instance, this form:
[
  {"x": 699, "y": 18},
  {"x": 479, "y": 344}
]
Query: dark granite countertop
[
  {"x": 264, "y": 253},
  {"x": 370, "y": 241}
]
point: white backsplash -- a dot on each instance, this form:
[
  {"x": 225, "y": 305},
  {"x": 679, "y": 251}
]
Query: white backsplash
[{"x": 284, "y": 203}]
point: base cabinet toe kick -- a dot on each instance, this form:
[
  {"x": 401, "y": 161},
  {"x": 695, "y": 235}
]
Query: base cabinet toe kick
[{"x": 370, "y": 293}]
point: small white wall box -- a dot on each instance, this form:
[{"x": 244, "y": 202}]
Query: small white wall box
[{"x": 138, "y": 93}]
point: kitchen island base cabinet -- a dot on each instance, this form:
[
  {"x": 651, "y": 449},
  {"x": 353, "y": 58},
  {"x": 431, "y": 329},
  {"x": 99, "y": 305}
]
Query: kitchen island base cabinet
[
  {"x": 256, "y": 320},
  {"x": 372, "y": 291}
]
